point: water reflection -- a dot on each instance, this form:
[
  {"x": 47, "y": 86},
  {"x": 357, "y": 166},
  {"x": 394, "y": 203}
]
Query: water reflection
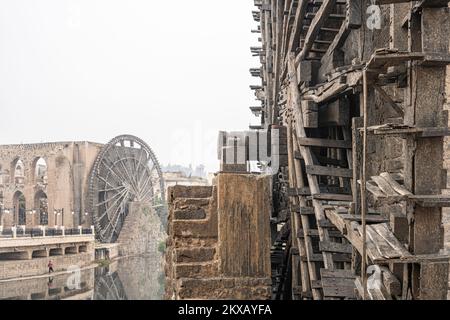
[{"x": 138, "y": 278}]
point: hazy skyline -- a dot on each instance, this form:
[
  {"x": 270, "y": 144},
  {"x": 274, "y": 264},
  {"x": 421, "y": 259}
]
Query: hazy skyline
[{"x": 173, "y": 74}]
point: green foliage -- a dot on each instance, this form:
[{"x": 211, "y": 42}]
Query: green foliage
[
  {"x": 162, "y": 247},
  {"x": 103, "y": 263}
]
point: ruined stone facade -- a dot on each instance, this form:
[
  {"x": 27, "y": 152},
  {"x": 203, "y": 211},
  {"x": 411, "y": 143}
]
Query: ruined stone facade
[
  {"x": 219, "y": 240},
  {"x": 52, "y": 173}
]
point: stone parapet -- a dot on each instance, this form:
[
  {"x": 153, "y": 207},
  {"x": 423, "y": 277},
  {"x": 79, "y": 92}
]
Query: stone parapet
[{"x": 203, "y": 259}]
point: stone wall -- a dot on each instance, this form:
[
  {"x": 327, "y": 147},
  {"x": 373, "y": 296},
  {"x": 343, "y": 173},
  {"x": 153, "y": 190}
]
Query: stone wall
[
  {"x": 203, "y": 259},
  {"x": 142, "y": 231}
]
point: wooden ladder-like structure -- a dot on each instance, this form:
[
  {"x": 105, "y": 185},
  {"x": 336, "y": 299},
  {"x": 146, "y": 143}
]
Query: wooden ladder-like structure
[{"x": 325, "y": 255}]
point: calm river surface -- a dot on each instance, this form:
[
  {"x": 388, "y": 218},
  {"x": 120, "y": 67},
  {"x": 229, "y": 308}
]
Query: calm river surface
[{"x": 137, "y": 278}]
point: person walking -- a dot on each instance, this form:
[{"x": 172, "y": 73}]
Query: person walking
[{"x": 50, "y": 266}]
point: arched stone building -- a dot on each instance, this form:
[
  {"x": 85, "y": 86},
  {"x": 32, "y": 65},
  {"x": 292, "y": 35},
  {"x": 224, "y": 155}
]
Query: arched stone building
[{"x": 46, "y": 183}]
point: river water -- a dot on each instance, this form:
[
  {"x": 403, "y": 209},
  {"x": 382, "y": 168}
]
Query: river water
[{"x": 137, "y": 278}]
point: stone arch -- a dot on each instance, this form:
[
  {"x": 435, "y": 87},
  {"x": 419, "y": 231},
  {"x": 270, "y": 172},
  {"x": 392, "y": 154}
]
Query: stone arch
[
  {"x": 41, "y": 207},
  {"x": 17, "y": 171},
  {"x": 20, "y": 208},
  {"x": 39, "y": 171}
]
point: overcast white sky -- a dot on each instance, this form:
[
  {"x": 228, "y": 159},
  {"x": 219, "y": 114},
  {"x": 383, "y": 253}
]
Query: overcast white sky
[{"x": 173, "y": 73}]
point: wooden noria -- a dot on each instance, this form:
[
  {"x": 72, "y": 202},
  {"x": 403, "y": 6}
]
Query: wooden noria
[{"x": 360, "y": 95}]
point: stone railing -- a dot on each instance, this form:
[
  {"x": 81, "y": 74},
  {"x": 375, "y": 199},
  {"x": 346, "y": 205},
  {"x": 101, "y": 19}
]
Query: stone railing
[{"x": 43, "y": 231}]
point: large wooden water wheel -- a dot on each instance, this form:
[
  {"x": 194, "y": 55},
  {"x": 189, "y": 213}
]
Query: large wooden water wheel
[{"x": 126, "y": 170}]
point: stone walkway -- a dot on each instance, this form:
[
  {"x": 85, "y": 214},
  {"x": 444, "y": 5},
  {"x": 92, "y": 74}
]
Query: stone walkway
[{"x": 54, "y": 274}]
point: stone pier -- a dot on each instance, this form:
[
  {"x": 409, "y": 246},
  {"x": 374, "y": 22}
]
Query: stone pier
[{"x": 219, "y": 239}]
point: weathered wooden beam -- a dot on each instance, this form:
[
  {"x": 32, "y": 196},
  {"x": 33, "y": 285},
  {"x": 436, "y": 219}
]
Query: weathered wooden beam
[
  {"x": 389, "y": 100},
  {"x": 332, "y": 197},
  {"x": 370, "y": 219},
  {"x": 312, "y": 15},
  {"x": 390, "y": 282},
  {"x": 335, "y": 113},
  {"x": 325, "y": 143},
  {"x": 306, "y": 153},
  {"x": 329, "y": 171},
  {"x": 310, "y": 112},
  {"x": 294, "y": 38},
  {"x": 314, "y": 29},
  {"x": 307, "y": 269},
  {"x": 335, "y": 247}
]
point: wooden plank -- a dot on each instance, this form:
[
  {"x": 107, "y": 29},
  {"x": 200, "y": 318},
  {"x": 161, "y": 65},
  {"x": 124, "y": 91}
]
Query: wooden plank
[
  {"x": 335, "y": 247},
  {"x": 370, "y": 219},
  {"x": 314, "y": 28},
  {"x": 336, "y": 220},
  {"x": 384, "y": 186},
  {"x": 394, "y": 184},
  {"x": 335, "y": 234},
  {"x": 305, "y": 72},
  {"x": 307, "y": 269},
  {"x": 337, "y": 257},
  {"x": 310, "y": 233},
  {"x": 325, "y": 223},
  {"x": 297, "y": 27},
  {"x": 332, "y": 162},
  {"x": 380, "y": 62},
  {"x": 383, "y": 230},
  {"x": 316, "y": 284},
  {"x": 329, "y": 171},
  {"x": 384, "y": 248},
  {"x": 310, "y": 112},
  {"x": 357, "y": 162},
  {"x": 389, "y": 100},
  {"x": 354, "y": 20},
  {"x": 373, "y": 251},
  {"x": 375, "y": 190},
  {"x": 339, "y": 291},
  {"x": 313, "y": 258},
  {"x": 294, "y": 192},
  {"x": 416, "y": 131},
  {"x": 431, "y": 201},
  {"x": 337, "y": 273},
  {"x": 307, "y": 154},
  {"x": 420, "y": 258},
  {"x": 306, "y": 211},
  {"x": 335, "y": 113},
  {"x": 332, "y": 197},
  {"x": 390, "y": 282},
  {"x": 324, "y": 143},
  {"x": 338, "y": 282},
  {"x": 298, "y": 156}
]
